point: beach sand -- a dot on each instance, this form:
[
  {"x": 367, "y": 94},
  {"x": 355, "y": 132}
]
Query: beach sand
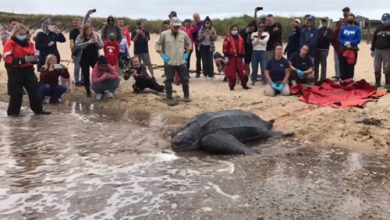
[{"x": 323, "y": 126}]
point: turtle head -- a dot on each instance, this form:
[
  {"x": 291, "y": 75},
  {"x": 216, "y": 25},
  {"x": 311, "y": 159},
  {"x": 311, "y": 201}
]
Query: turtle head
[{"x": 186, "y": 139}]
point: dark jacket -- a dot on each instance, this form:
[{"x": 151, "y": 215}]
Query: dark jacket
[
  {"x": 51, "y": 77},
  {"x": 324, "y": 41},
  {"x": 42, "y": 44},
  {"x": 381, "y": 38},
  {"x": 275, "y": 36},
  {"x": 111, "y": 29},
  {"x": 309, "y": 36},
  {"x": 293, "y": 44}
]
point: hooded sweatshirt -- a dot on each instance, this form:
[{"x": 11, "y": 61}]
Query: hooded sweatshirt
[
  {"x": 381, "y": 38},
  {"x": 111, "y": 29},
  {"x": 351, "y": 34}
]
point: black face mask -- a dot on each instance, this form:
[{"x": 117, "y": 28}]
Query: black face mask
[{"x": 350, "y": 21}]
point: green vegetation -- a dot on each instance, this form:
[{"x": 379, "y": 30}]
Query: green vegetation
[{"x": 65, "y": 22}]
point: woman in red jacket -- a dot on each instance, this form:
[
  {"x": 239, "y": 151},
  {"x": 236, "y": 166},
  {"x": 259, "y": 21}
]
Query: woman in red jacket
[
  {"x": 50, "y": 73},
  {"x": 234, "y": 51},
  {"x": 19, "y": 56}
]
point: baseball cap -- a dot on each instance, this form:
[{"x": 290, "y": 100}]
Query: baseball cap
[
  {"x": 297, "y": 21},
  {"x": 325, "y": 19},
  {"x": 187, "y": 20},
  {"x": 386, "y": 17},
  {"x": 311, "y": 18},
  {"x": 175, "y": 22},
  {"x": 346, "y": 9}
]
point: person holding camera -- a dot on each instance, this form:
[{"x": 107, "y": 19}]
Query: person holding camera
[
  {"x": 206, "y": 38},
  {"x": 46, "y": 42},
  {"x": 142, "y": 79},
  {"x": 105, "y": 80},
  {"x": 141, "y": 39},
  {"x": 19, "y": 56},
  {"x": 86, "y": 51},
  {"x": 49, "y": 76}
]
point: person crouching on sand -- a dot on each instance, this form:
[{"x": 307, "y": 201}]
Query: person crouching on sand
[
  {"x": 105, "y": 79},
  {"x": 50, "y": 73},
  {"x": 234, "y": 51},
  {"x": 301, "y": 65},
  {"x": 278, "y": 74},
  {"x": 142, "y": 79}
]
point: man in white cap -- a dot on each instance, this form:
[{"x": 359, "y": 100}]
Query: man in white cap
[
  {"x": 380, "y": 49},
  {"x": 174, "y": 46}
]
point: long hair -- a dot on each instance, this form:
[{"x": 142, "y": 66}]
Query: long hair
[
  {"x": 83, "y": 30},
  {"x": 17, "y": 29},
  {"x": 47, "y": 62}
]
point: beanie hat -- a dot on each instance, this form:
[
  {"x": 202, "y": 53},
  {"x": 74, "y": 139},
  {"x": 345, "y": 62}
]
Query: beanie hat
[{"x": 102, "y": 60}]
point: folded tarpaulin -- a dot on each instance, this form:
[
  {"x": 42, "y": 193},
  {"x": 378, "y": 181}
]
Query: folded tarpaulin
[{"x": 329, "y": 93}]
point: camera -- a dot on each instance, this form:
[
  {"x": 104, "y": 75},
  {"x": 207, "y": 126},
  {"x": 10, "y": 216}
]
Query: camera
[{"x": 57, "y": 66}]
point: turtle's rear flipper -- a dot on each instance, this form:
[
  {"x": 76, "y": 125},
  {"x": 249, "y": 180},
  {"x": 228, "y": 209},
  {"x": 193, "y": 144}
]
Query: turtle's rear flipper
[
  {"x": 280, "y": 134},
  {"x": 224, "y": 143}
]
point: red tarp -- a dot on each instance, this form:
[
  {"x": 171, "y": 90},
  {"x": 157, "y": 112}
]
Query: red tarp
[{"x": 329, "y": 93}]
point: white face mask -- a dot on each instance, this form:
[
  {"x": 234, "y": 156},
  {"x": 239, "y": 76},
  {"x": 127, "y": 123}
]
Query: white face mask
[{"x": 234, "y": 32}]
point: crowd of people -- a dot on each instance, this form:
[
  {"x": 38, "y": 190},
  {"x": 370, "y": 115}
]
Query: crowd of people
[{"x": 243, "y": 51}]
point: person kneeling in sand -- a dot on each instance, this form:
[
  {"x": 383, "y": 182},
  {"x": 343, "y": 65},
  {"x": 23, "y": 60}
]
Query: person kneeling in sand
[
  {"x": 277, "y": 73},
  {"x": 49, "y": 75},
  {"x": 301, "y": 65},
  {"x": 142, "y": 79},
  {"x": 105, "y": 80}
]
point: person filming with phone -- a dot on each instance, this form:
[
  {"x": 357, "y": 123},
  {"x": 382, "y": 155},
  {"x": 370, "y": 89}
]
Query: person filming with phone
[
  {"x": 46, "y": 42},
  {"x": 49, "y": 76}
]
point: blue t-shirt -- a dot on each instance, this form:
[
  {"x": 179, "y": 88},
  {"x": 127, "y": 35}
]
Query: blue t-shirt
[
  {"x": 301, "y": 63},
  {"x": 141, "y": 45},
  {"x": 277, "y": 68}
]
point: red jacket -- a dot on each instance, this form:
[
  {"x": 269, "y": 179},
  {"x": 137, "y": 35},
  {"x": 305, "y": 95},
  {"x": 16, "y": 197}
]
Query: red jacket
[
  {"x": 96, "y": 74},
  {"x": 111, "y": 52},
  {"x": 233, "y": 47},
  {"x": 15, "y": 50},
  {"x": 126, "y": 33}
]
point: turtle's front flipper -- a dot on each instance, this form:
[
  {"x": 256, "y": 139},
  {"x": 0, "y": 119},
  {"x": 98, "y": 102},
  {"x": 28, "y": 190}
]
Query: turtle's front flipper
[{"x": 222, "y": 142}]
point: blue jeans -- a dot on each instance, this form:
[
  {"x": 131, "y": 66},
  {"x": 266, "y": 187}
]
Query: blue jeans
[
  {"x": 110, "y": 85},
  {"x": 54, "y": 92},
  {"x": 77, "y": 74},
  {"x": 258, "y": 57}
]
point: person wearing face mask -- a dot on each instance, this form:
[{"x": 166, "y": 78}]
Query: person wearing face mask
[
  {"x": 246, "y": 35},
  {"x": 325, "y": 35},
  {"x": 111, "y": 28},
  {"x": 86, "y": 51},
  {"x": 380, "y": 50},
  {"x": 174, "y": 46},
  {"x": 309, "y": 36},
  {"x": 105, "y": 80},
  {"x": 293, "y": 39},
  {"x": 190, "y": 30},
  {"x": 259, "y": 54},
  {"x": 206, "y": 38},
  {"x": 142, "y": 79},
  {"x": 46, "y": 42},
  {"x": 48, "y": 79},
  {"x": 19, "y": 55},
  {"x": 111, "y": 51},
  {"x": 349, "y": 39},
  {"x": 234, "y": 52}
]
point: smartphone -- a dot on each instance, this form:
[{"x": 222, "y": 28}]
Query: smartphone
[
  {"x": 57, "y": 66},
  {"x": 93, "y": 10},
  {"x": 259, "y": 8}
]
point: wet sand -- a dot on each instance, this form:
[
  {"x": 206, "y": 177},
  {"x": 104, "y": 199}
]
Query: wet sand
[{"x": 322, "y": 126}]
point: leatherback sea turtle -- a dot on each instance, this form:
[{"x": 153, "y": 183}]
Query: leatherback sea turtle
[{"x": 224, "y": 132}]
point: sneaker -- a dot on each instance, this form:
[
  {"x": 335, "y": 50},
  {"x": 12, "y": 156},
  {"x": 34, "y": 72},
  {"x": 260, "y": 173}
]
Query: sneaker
[
  {"x": 187, "y": 99},
  {"x": 99, "y": 96},
  {"x": 110, "y": 95},
  {"x": 171, "y": 102},
  {"x": 246, "y": 87}
]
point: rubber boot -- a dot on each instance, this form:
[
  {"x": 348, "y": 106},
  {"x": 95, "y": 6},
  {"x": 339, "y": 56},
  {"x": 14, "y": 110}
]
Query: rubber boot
[
  {"x": 186, "y": 90},
  {"x": 168, "y": 92},
  {"x": 387, "y": 81}
]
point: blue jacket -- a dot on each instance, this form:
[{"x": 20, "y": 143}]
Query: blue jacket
[
  {"x": 310, "y": 37},
  {"x": 352, "y": 34}
]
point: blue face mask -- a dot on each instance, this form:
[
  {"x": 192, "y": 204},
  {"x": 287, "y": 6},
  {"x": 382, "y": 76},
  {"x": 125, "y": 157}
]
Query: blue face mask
[{"x": 21, "y": 37}]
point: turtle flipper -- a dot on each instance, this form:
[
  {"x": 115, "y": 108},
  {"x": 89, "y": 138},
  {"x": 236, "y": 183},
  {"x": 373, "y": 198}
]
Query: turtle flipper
[
  {"x": 222, "y": 142},
  {"x": 280, "y": 134}
]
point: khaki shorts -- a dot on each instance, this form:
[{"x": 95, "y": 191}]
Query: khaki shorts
[{"x": 144, "y": 58}]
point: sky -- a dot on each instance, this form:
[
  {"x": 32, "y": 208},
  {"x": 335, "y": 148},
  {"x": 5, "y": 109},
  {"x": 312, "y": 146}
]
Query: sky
[{"x": 153, "y": 9}]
